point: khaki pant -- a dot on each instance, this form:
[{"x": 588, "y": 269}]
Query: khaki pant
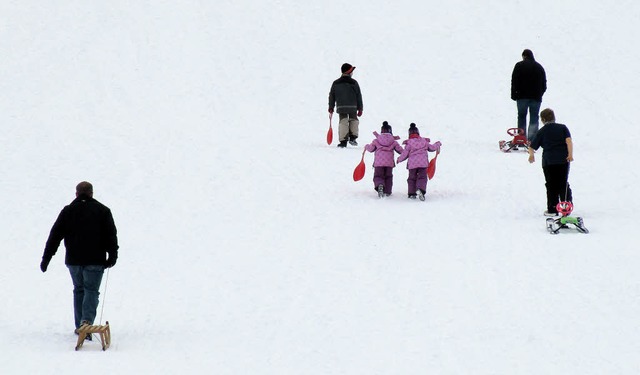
[{"x": 348, "y": 128}]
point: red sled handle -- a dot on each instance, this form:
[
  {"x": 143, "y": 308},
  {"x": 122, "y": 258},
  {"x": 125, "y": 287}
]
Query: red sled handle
[
  {"x": 358, "y": 172},
  {"x": 330, "y": 132},
  {"x": 431, "y": 168}
]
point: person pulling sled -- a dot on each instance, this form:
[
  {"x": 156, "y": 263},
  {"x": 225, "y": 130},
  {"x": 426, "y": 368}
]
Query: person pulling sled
[{"x": 346, "y": 97}]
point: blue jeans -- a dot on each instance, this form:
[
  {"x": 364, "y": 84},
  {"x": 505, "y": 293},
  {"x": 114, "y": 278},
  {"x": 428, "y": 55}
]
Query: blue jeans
[
  {"x": 533, "y": 106},
  {"x": 86, "y": 285}
]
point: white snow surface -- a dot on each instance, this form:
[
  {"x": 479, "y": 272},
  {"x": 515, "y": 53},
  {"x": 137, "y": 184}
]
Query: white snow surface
[{"x": 245, "y": 245}]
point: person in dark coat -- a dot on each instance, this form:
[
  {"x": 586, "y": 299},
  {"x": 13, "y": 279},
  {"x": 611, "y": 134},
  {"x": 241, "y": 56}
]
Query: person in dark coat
[
  {"x": 90, "y": 239},
  {"x": 528, "y": 84},
  {"x": 346, "y": 97},
  {"x": 557, "y": 146}
]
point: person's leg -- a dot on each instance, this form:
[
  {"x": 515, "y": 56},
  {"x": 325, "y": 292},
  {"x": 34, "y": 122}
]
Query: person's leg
[
  {"x": 411, "y": 182},
  {"x": 534, "y": 118},
  {"x": 92, "y": 279},
  {"x": 353, "y": 127},
  {"x": 343, "y": 127},
  {"x": 522, "y": 114},
  {"x": 78, "y": 292},
  {"x": 556, "y": 185},
  {"x": 378, "y": 177},
  {"x": 388, "y": 180},
  {"x": 552, "y": 195},
  {"x": 421, "y": 179}
]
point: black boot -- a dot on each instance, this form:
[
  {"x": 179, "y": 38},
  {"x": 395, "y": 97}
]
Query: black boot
[{"x": 342, "y": 144}]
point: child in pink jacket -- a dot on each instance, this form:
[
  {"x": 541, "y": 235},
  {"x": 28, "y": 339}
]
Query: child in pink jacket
[
  {"x": 384, "y": 145},
  {"x": 416, "y": 151}
]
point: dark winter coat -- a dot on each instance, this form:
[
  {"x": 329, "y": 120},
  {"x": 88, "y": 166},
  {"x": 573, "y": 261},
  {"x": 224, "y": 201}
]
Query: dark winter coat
[
  {"x": 345, "y": 95},
  {"x": 552, "y": 137},
  {"x": 89, "y": 233},
  {"x": 528, "y": 80}
]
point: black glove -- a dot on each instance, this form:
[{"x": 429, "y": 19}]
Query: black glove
[
  {"x": 110, "y": 262},
  {"x": 44, "y": 264}
]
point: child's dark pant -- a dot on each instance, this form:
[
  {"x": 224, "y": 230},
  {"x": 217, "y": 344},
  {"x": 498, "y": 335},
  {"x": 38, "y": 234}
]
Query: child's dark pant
[
  {"x": 558, "y": 189},
  {"x": 384, "y": 176},
  {"x": 417, "y": 180}
]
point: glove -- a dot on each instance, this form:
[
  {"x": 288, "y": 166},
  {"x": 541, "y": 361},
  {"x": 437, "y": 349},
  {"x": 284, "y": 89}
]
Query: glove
[
  {"x": 44, "y": 264},
  {"x": 330, "y": 110},
  {"x": 110, "y": 262},
  {"x": 359, "y": 113}
]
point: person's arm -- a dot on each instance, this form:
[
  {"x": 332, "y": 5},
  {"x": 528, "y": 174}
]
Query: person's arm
[
  {"x": 532, "y": 158},
  {"x": 111, "y": 240},
  {"x": 53, "y": 242},
  {"x": 332, "y": 98},
  {"x": 570, "y": 148}
]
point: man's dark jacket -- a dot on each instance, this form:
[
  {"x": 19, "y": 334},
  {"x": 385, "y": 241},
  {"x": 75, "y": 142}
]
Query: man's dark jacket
[
  {"x": 552, "y": 137},
  {"x": 89, "y": 233},
  {"x": 345, "y": 95},
  {"x": 528, "y": 80}
]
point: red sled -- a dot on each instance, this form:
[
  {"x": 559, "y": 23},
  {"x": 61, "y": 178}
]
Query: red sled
[{"x": 519, "y": 140}]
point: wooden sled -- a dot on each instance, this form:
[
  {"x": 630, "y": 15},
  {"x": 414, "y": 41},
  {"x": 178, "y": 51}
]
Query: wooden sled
[{"x": 104, "y": 332}]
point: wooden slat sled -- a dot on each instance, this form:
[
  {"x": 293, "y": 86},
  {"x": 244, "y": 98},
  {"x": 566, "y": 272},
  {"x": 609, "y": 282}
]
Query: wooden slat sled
[{"x": 102, "y": 330}]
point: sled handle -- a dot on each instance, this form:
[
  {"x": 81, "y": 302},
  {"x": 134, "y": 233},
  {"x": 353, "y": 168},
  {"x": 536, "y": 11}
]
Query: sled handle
[{"x": 515, "y": 131}]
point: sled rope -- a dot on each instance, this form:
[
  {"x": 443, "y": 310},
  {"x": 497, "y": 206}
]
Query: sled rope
[
  {"x": 104, "y": 298},
  {"x": 566, "y": 187}
]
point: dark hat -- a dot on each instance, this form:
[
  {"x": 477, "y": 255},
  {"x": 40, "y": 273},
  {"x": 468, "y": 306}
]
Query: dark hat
[
  {"x": 413, "y": 129},
  {"x": 386, "y": 128},
  {"x": 347, "y": 68},
  {"x": 527, "y": 54}
]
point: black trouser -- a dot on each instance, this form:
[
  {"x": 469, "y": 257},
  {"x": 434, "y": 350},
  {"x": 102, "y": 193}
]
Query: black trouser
[{"x": 558, "y": 189}]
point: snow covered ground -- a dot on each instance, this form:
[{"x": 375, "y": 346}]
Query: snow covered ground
[{"x": 246, "y": 247}]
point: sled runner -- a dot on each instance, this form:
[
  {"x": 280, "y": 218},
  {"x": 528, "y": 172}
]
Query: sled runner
[{"x": 519, "y": 140}]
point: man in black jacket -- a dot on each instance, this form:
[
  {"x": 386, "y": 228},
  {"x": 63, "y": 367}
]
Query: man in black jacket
[
  {"x": 345, "y": 95},
  {"x": 90, "y": 235},
  {"x": 528, "y": 84}
]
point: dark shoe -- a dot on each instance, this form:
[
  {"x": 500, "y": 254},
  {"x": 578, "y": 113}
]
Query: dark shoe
[
  {"x": 342, "y": 144},
  {"x": 412, "y": 196},
  {"x": 353, "y": 142},
  {"x": 77, "y": 330},
  {"x": 380, "y": 190},
  {"x": 420, "y": 194}
]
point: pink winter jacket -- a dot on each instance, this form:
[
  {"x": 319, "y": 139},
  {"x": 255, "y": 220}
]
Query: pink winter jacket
[
  {"x": 384, "y": 145},
  {"x": 416, "y": 150}
]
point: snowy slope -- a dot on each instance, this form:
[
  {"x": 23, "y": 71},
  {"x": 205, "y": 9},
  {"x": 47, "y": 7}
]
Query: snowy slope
[{"x": 246, "y": 248}]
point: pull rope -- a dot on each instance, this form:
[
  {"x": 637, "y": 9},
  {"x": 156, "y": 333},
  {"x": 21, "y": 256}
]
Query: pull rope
[
  {"x": 566, "y": 186},
  {"x": 104, "y": 298}
]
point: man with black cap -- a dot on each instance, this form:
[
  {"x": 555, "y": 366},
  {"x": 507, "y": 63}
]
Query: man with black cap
[
  {"x": 528, "y": 84},
  {"x": 90, "y": 238},
  {"x": 346, "y": 97}
]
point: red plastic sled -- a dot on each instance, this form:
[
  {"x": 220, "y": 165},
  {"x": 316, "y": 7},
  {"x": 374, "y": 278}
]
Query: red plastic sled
[{"x": 519, "y": 140}]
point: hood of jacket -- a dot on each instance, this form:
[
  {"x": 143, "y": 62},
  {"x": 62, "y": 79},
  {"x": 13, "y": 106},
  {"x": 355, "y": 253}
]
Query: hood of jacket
[{"x": 385, "y": 140}]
